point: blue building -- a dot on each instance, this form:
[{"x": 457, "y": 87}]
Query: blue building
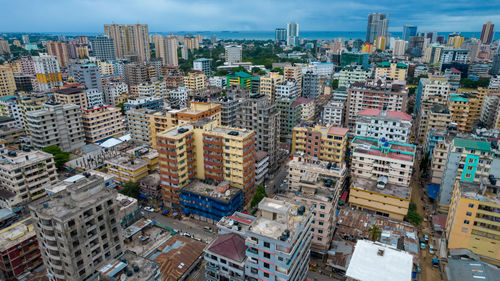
[
  {"x": 408, "y": 31},
  {"x": 209, "y": 202},
  {"x": 144, "y": 102}
]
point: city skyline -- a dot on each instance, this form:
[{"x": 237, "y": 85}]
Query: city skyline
[{"x": 317, "y": 15}]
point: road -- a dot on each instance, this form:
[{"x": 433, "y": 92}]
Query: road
[
  {"x": 273, "y": 185},
  {"x": 189, "y": 225},
  {"x": 428, "y": 273}
]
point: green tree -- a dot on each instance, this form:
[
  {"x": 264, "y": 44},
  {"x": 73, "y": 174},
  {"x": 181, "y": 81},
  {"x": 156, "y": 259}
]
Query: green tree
[
  {"x": 60, "y": 157},
  {"x": 279, "y": 70},
  {"x": 122, "y": 107},
  {"x": 130, "y": 189},
  {"x": 412, "y": 215},
  {"x": 375, "y": 232},
  {"x": 260, "y": 193},
  {"x": 424, "y": 162},
  {"x": 335, "y": 84}
]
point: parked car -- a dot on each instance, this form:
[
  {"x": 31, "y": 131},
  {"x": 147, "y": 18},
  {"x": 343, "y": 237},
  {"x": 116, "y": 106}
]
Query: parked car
[
  {"x": 187, "y": 235},
  {"x": 431, "y": 249},
  {"x": 207, "y": 228},
  {"x": 149, "y": 209},
  {"x": 426, "y": 237}
]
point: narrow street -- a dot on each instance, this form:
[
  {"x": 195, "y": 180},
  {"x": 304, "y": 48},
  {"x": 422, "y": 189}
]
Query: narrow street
[{"x": 428, "y": 272}]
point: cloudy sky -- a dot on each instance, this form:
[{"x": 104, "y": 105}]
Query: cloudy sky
[{"x": 216, "y": 15}]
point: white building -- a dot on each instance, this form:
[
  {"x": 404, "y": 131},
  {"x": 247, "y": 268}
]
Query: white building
[
  {"x": 181, "y": 94},
  {"x": 287, "y": 90},
  {"x": 454, "y": 55},
  {"x": 292, "y": 33},
  {"x": 374, "y": 261},
  {"x": 351, "y": 74},
  {"x": 333, "y": 113},
  {"x": 202, "y": 64},
  {"x": 233, "y": 54},
  {"x": 376, "y": 123},
  {"x": 261, "y": 166},
  {"x": 112, "y": 90},
  {"x": 9, "y": 107},
  {"x": 217, "y": 81},
  {"x": 156, "y": 88},
  {"x": 399, "y": 48},
  {"x": 94, "y": 98},
  {"x": 494, "y": 82},
  {"x": 48, "y": 68}
]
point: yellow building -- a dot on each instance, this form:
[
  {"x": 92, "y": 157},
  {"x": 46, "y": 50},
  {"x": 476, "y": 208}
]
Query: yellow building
[
  {"x": 72, "y": 95},
  {"x": 393, "y": 70},
  {"x": 473, "y": 219},
  {"x": 268, "y": 83},
  {"x": 126, "y": 168},
  {"x": 456, "y": 41},
  {"x": 205, "y": 150},
  {"x": 7, "y": 82},
  {"x": 195, "y": 80},
  {"x": 102, "y": 123},
  {"x": 466, "y": 108},
  {"x": 325, "y": 143},
  {"x": 147, "y": 154},
  {"x": 163, "y": 120},
  {"x": 30, "y": 102},
  {"x": 294, "y": 73},
  {"x": 367, "y": 48},
  {"x": 380, "y": 43}
]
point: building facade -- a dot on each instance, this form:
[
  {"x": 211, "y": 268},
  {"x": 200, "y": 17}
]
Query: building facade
[
  {"x": 323, "y": 143},
  {"x": 101, "y": 123}
]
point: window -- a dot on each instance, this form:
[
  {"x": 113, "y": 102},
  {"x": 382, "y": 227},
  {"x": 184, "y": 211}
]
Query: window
[
  {"x": 266, "y": 265},
  {"x": 471, "y": 205},
  {"x": 267, "y": 245},
  {"x": 322, "y": 207},
  {"x": 466, "y": 221},
  {"x": 267, "y": 255},
  {"x": 266, "y": 274},
  {"x": 468, "y": 214}
]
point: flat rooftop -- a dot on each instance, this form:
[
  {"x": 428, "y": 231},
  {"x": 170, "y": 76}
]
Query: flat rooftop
[
  {"x": 21, "y": 158},
  {"x": 118, "y": 267},
  {"x": 373, "y": 261},
  {"x": 388, "y": 149},
  {"x": 485, "y": 192},
  {"x": 209, "y": 190},
  {"x": 127, "y": 162},
  {"x": 16, "y": 233},
  {"x": 399, "y": 191},
  {"x": 222, "y": 130},
  {"x": 143, "y": 152},
  {"x": 176, "y": 131},
  {"x": 237, "y": 222}
]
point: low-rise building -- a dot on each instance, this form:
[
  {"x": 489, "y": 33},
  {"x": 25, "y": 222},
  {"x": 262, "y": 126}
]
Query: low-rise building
[
  {"x": 225, "y": 258},
  {"x": 102, "y": 123},
  {"x": 126, "y": 168},
  {"x": 376, "y": 123},
  {"x": 392, "y": 70},
  {"x": 142, "y": 269}
]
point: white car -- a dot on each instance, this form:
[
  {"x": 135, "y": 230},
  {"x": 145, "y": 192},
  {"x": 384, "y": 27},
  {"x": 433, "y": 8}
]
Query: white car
[{"x": 149, "y": 209}]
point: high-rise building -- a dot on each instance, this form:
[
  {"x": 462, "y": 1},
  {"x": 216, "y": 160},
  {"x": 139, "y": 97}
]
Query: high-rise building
[
  {"x": 102, "y": 123},
  {"x": 77, "y": 229},
  {"x": 392, "y": 70},
  {"x": 391, "y": 125},
  {"x": 432, "y": 53},
  {"x": 409, "y": 31},
  {"x": 333, "y": 113},
  {"x": 466, "y": 109},
  {"x": 324, "y": 143},
  {"x": 455, "y": 40},
  {"x": 4, "y": 47},
  {"x": 135, "y": 74},
  {"x": 352, "y": 74},
  {"x": 432, "y": 86},
  {"x": 204, "y": 150},
  {"x": 56, "y": 124},
  {"x": 195, "y": 80},
  {"x": 376, "y": 27},
  {"x": 166, "y": 49},
  {"x": 280, "y": 35},
  {"x": 279, "y": 241},
  {"x": 24, "y": 176},
  {"x": 103, "y": 48},
  {"x": 87, "y": 74},
  {"x": 203, "y": 64},
  {"x": 454, "y": 55},
  {"x": 7, "y": 81},
  {"x": 26, "y": 39},
  {"x": 138, "y": 123},
  {"x": 48, "y": 73},
  {"x": 490, "y": 115},
  {"x": 380, "y": 43},
  {"x": 311, "y": 87},
  {"x": 399, "y": 48},
  {"x": 233, "y": 54},
  {"x": 129, "y": 39},
  {"x": 259, "y": 114},
  {"x": 60, "y": 51},
  {"x": 487, "y": 33},
  {"x": 268, "y": 84},
  {"x": 72, "y": 95},
  {"x": 292, "y": 34}
]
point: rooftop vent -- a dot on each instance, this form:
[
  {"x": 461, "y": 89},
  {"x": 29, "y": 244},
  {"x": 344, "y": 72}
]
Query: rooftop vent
[
  {"x": 233, "y": 133},
  {"x": 182, "y": 130},
  {"x": 380, "y": 252}
]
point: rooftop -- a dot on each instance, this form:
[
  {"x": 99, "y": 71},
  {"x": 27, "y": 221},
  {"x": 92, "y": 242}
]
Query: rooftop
[
  {"x": 485, "y": 191},
  {"x": 398, "y": 191},
  {"x": 222, "y": 192},
  {"x": 129, "y": 262},
  {"x": 382, "y": 113},
  {"x": 473, "y": 144},
  {"x": 231, "y": 132},
  {"x": 16, "y": 233},
  {"x": 237, "y": 223},
  {"x": 373, "y": 261},
  {"x": 143, "y": 152},
  {"x": 463, "y": 269},
  {"x": 230, "y": 245},
  {"x": 176, "y": 131},
  {"x": 383, "y": 148},
  {"x": 302, "y": 100},
  {"x": 127, "y": 162},
  {"x": 20, "y": 158},
  {"x": 70, "y": 90}
]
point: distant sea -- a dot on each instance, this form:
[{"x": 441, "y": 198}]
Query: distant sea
[{"x": 269, "y": 35}]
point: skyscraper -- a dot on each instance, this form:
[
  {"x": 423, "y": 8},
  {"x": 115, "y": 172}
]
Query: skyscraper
[
  {"x": 280, "y": 35},
  {"x": 60, "y": 51},
  {"x": 129, "y": 39},
  {"x": 103, "y": 48},
  {"x": 292, "y": 33},
  {"x": 48, "y": 73},
  {"x": 87, "y": 74},
  {"x": 408, "y": 31},
  {"x": 233, "y": 54},
  {"x": 487, "y": 32},
  {"x": 166, "y": 49},
  {"x": 377, "y": 26}
]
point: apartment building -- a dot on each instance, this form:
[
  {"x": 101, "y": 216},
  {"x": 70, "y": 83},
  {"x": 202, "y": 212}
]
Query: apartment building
[
  {"x": 490, "y": 114},
  {"x": 318, "y": 184},
  {"x": 307, "y": 107},
  {"x": 47, "y": 72},
  {"x": 19, "y": 250},
  {"x": 127, "y": 168},
  {"x": 473, "y": 217},
  {"x": 195, "y": 80},
  {"x": 56, "y": 124},
  {"x": 72, "y": 95},
  {"x": 434, "y": 117},
  {"x": 353, "y": 74},
  {"x": 103, "y": 48},
  {"x": 203, "y": 64},
  {"x": 259, "y": 114},
  {"x": 153, "y": 103},
  {"x": 230, "y": 108},
  {"x": 113, "y": 90},
  {"x": 268, "y": 84},
  {"x": 311, "y": 84},
  {"x": 205, "y": 150},
  {"x": 225, "y": 258},
  {"x": 77, "y": 229},
  {"x": 381, "y": 173},
  {"x": 293, "y": 73},
  {"x": 431, "y": 87},
  {"x": 166, "y": 49},
  {"x": 87, "y": 74},
  {"x": 465, "y": 109},
  {"x": 239, "y": 78},
  {"x": 233, "y": 54},
  {"x": 261, "y": 166},
  {"x": 29, "y": 103},
  {"x": 438, "y": 152},
  {"x": 392, "y": 70},
  {"x": 135, "y": 73},
  {"x": 102, "y": 123},
  {"x": 322, "y": 142},
  {"x": 59, "y": 50},
  {"x": 129, "y": 39},
  {"x": 24, "y": 176},
  {"x": 376, "y": 123},
  {"x": 150, "y": 89},
  {"x": 139, "y": 125},
  {"x": 377, "y": 94},
  {"x": 290, "y": 114},
  {"x": 7, "y": 81},
  {"x": 10, "y": 108},
  {"x": 333, "y": 113},
  {"x": 279, "y": 241}
]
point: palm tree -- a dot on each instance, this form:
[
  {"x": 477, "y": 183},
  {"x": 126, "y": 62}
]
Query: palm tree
[{"x": 375, "y": 232}]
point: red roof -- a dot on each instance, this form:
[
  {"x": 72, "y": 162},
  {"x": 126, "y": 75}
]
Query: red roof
[
  {"x": 229, "y": 245},
  {"x": 399, "y": 114},
  {"x": 302, "y": 100},
  {"x": 338, "y": 131},
  {"x": 454, "y": 70}
]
